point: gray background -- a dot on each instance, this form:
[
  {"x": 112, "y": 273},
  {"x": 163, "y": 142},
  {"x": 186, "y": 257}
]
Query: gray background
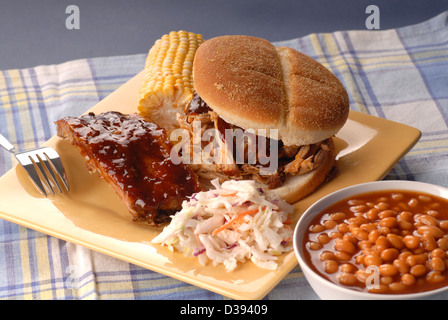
[{"x": 33, "y": 32}]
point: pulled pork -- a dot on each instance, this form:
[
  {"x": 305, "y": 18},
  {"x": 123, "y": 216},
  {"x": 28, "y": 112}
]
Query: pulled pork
[{"x": 292, "y": 160}]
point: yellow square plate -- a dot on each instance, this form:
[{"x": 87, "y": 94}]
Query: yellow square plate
[{"x": 92, "y": 215}]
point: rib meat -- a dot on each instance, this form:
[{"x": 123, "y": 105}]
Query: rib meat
[{"x": 133, "y": 156}]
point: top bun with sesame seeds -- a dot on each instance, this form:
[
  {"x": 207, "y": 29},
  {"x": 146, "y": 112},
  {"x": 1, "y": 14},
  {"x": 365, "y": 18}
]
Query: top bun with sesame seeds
[{"x": 252, "y": 84}]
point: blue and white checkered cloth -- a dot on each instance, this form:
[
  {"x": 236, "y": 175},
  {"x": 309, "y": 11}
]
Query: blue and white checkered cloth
[{"x": 399, "y": 74}]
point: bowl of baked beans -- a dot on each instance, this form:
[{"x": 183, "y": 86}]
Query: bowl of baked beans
[{"x": 377, "y": 240}]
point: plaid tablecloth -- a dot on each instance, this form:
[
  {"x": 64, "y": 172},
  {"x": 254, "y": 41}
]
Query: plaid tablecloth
[{"x": 399, "y": 74}]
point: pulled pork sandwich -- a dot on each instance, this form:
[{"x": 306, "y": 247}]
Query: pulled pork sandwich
[{"x": 272, "y": 93}]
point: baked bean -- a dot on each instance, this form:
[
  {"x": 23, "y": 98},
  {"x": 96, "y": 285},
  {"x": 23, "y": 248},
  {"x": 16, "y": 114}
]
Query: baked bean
[
  {"x": 317, "y": 228},
  {"x": 364, "y": 244},
  {"x": 401, "y": 266},
  {"x": 443, "y": 244},
  {"x": 327, "y": 255},
  {"x": 360, "y": 234},
  {"x": 348, "y": 268},
  {"x": 372, "y": 260},
  {"x": 406, "y": 233},
  {"x": 419, "y": 250},
  {"x": 382, "y": 206},
  {"x": 329, "y": 224},
  {"x": 362, "y": 275},
  {"x": 345, "y": 246},
  {"x": 360, "y": 220},
  {"x": 397, "y": 286},
  {"x": 418, "y": 270},
  {"x": 401, "y": 235},
  {"x": 415, "y": 259},
  {"x": 369, "y": 251},
  {"x": 417, "y": 219},
  {"x": 424, "y": 198},
  {"x": 372, "y": 214},
  {"x": 388, "y": 222},
  {"x": 352, "y": 225},
  {"x": 338, "y": 216},
  {"x": 411, "y": 242},
  {"x": 350, "y": 238},
  {"x": 433, "y": 213},
  {"x": 435, "y": 276},
  {"x": 313, "y": 245},
  {"x": 443, "y": 225},
  {"x": 404, "y": 255},
  {"x": 387, "y": 270},
  {"x": 381, "y": 243},
  {"x": 367, "y": 227},
  {"x": 389, "y": 254},
  {"x": 336, "y": 235},
  {"x": 323, "y": 238},
  {"x": 387, "y": 280},
  {"x": 396, "y": 241},
  {"x": 438, "y": 252},
  {"x": 359, "y": 260},
  {"x": 437, "y": 264},
  {"x": 406, "y": 216},
  {"x": 386, "y": 214},
  {"x": 355, "y": 202},
  {"x": 428, "y": 242},
  {"x": 408, "y": 279},
  {"x": 342, "y": 256},
  {"x": 358, "y": 208},
  {"x": 370, "y": 204},
  {"x": 413, "y": 203},
  {"x": 405, "y": 225},
  {"x": 343, "y": 228},
  {"x": 331, "y": 266},
  {"x": 347, "y": 279},
  {"x": 384, "y": 230},
  {"x": 397, "y": 196},
  {"x": 381, "y": 288},
  {"x": 374, "y": 235},
  {"x": 432, "y": 231},
  {"x": 428, "y": 220}
]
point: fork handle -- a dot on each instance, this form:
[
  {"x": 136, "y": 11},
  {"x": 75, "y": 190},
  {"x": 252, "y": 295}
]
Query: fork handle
[{"x": 6, "y": 144}]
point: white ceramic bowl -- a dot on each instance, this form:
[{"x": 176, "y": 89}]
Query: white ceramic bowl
[{"x": 328, "y": 290}]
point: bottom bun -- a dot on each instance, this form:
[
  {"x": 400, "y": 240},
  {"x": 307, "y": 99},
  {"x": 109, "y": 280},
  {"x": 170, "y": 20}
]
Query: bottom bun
[{"x": 298, "y": 187}]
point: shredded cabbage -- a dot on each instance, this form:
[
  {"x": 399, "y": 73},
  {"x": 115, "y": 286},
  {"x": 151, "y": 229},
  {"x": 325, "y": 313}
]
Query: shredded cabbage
[{"x": 235, "y": 222}]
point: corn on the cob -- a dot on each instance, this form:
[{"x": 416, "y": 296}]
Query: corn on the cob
[{"x": 168, "y": 77}]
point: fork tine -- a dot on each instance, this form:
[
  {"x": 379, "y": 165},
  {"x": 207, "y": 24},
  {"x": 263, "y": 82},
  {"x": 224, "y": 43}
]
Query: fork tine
[
  {"x": 40, "y": 168},
  {"x": 56, "y": 164},
  {"x": 58, "y": 169},
  {"x": 29, "y": 165},
  {"x": 44, "y": 167},
  {"x": 50, "y": 173}
]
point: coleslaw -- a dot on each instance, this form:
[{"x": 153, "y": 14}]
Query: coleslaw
[{"x": 235, "y": 222}]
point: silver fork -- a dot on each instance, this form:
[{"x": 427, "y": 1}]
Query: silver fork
[{"x": 43, "y": 165}]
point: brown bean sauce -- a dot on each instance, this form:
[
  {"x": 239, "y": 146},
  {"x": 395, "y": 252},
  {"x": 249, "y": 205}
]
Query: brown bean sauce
[{"x": 390, "y": 242}]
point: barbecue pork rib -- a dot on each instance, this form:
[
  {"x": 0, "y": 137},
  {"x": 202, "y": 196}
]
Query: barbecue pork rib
[{"x": 133, "y": 156}]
